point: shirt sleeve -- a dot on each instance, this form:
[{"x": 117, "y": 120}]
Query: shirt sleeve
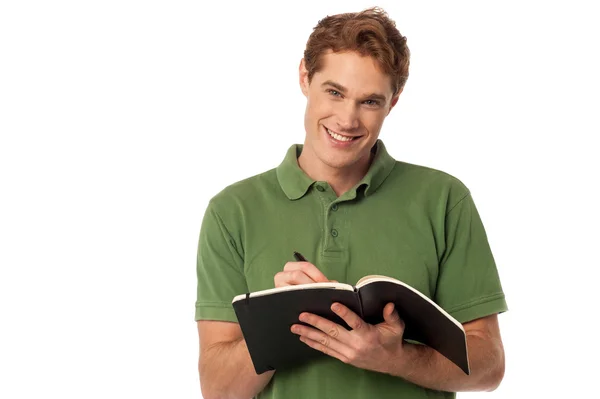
[
  {"x": 468, "y": 282},
  {"x": 220, "y": 270}
]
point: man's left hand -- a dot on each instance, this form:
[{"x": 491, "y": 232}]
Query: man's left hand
[{"x": 367, "y": 346}]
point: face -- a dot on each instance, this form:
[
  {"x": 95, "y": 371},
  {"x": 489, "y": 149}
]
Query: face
[{"x": 347, "y": 102}]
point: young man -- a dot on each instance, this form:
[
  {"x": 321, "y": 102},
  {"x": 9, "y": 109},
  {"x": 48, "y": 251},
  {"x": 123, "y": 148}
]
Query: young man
[{"x": 352, "y": 210}]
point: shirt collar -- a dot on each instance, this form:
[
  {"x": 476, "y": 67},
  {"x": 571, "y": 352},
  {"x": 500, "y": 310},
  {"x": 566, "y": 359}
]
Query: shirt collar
[{"x": 295, "y": 183}]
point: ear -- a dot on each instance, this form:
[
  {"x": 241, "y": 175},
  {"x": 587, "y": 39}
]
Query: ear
[
  {"x": 394, "y": 100},
  {"x": 303, "y": 76}
]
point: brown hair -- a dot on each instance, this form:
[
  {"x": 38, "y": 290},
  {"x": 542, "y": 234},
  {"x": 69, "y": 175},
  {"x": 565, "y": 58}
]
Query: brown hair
[{"x": 370, "y": 33}]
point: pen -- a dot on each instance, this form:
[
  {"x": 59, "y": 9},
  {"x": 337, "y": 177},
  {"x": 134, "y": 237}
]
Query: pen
[{"x": 298, "y": 256}]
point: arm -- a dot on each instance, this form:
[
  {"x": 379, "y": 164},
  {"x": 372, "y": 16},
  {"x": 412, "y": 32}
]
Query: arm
[
  {"x": 225, "y": 367},
  {"x": 226, "y": 370},
  {"x": 424, "y": 366}
]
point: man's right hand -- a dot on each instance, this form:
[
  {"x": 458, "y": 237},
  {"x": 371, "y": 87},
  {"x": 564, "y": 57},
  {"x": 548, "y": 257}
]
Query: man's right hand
[{"x": 295, "y": 273}]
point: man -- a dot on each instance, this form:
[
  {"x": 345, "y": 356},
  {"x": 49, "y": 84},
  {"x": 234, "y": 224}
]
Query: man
[{"x": 342, "y": 201}]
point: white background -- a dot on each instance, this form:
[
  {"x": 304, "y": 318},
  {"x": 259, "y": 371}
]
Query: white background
[{"x": 120, "y": 119}]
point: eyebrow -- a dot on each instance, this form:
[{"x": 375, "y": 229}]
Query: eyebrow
[{"x": 342, "y": 89}]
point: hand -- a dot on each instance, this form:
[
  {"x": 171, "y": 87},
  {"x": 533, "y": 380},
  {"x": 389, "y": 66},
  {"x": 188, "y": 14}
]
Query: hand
[
  {"x": 295, "y": 273},
  {"x": 367, "y": 346}
]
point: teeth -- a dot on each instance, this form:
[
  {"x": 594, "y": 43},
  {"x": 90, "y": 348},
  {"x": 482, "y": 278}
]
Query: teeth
[{"x": 337, "y": 136}]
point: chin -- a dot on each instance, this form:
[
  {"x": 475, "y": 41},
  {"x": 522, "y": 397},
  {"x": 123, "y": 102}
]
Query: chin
[{"x": 340, "y": 161}]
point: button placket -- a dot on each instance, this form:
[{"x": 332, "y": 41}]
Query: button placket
[
  {"x": 333, "y": 237},
  {"x": 334, "y": 219}
]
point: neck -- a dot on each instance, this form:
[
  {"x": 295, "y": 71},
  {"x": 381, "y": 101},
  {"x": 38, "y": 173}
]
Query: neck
[{"x": 340, "y": 179}]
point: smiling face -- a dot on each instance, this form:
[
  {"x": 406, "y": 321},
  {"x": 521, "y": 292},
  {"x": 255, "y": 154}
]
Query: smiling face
[{"x": 347, "y": 102}]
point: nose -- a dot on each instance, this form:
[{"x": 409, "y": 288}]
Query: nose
[{"x": 347, "y": 117}]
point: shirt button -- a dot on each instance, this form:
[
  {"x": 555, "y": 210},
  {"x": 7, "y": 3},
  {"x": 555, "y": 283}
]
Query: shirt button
[
  {"x": 320, "y": 188},
  {"x": 334, "y": 233},
  {"x": 334, "y": 207}
]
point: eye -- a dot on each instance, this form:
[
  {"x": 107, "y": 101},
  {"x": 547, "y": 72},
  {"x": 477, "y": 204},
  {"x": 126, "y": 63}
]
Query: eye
[
  {"x": 334, "y": 92},
  {"x": 373, "y": 103}
]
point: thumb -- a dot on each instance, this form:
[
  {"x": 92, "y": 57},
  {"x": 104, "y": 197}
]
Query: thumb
[{"x": 391, "y": 316}]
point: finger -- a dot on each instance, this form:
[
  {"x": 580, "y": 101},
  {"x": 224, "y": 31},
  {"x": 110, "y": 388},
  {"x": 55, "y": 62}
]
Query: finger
[
  {"x": 309, "y": 269},
  {"x": 352, "y": 319},
  {"x": 328, "y": 327},
  {"x": 327, "y": 343},
  {"x": 325, "y": 349},
  {"x": 294, "y": 277}
]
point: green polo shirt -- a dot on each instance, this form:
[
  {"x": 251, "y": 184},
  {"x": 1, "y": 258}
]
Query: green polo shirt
[{"x": 409, "y": 222}]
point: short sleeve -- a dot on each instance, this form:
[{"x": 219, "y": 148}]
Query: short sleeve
[
  {"x": 220, "y": 270},
  {"x": 468, "y": 284}
]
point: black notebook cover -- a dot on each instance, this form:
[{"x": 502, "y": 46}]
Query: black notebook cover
[{"x": 266, "y": 321}]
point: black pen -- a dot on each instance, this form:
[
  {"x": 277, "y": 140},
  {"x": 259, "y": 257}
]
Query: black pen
[{"x": 298, "y": 256}]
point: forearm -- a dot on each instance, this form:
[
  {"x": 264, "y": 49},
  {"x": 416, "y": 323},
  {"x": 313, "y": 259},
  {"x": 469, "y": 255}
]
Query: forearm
[
  {"x": 226, "y": 371},
  {"x": 424, "y": 366}
]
